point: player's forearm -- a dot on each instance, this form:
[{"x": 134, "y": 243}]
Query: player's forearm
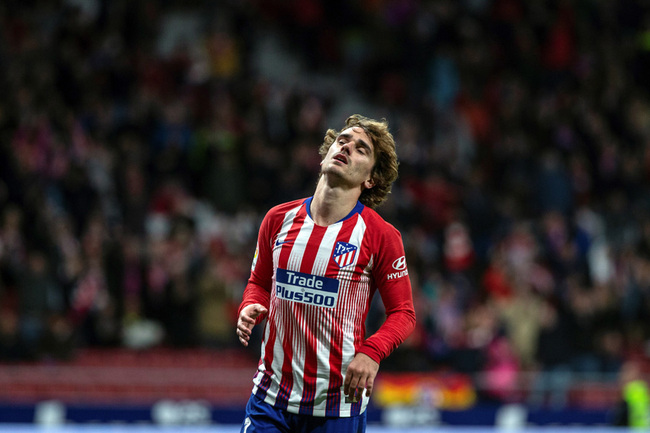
[
  {"x": 255, "y": 294},
  {"x": 397, "y": 327}
]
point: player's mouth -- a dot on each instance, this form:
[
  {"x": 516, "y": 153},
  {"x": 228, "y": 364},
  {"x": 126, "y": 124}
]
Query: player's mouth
[{"x": 340, "y": 157}]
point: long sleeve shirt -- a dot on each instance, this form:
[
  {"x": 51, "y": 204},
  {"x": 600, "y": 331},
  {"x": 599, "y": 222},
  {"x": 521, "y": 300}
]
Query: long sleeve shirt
[{"x": 317, "y": 283}]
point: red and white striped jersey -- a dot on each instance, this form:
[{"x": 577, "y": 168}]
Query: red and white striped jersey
[{"x": 317, "y": 283}]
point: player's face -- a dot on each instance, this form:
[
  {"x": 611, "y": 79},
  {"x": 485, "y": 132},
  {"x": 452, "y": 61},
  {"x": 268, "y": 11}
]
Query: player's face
[{"x": 351, "y": 157}]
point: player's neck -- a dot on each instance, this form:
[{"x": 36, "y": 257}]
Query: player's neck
[{"x": 332, "y": 204}]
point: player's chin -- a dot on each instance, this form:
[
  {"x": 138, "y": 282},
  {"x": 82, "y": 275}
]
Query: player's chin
[{"x": 337, "y": 173}]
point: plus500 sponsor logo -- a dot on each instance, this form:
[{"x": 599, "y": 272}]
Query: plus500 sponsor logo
[
  {"x": 306, "y": 288},
  {"x": 400, "y": 266}
]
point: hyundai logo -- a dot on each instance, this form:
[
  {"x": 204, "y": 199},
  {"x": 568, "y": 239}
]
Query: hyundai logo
[{"x": 400, "y": 263}]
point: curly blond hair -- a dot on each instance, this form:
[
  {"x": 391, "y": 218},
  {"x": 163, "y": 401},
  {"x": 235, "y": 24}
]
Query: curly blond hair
[{"x": 385, "y": 170}]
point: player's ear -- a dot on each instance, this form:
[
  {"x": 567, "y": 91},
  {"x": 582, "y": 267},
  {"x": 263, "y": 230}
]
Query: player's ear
[{"x": 368, "y": 183}]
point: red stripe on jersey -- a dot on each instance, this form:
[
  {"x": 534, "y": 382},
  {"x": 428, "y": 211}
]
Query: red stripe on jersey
[
  {"x": 268, "y": 353},
  {"x": 365, "y": 296}
]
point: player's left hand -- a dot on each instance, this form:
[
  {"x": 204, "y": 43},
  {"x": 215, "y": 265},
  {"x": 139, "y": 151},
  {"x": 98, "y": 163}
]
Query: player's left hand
[{"x": 361, "y": 375}]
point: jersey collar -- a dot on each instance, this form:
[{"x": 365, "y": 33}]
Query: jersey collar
[{"x": 356, "y": 209}]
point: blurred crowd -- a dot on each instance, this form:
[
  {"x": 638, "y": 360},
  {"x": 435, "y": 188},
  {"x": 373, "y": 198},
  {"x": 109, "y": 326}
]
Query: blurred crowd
[{"x": 141, "y": 143}]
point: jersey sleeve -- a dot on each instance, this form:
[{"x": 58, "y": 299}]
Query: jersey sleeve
[
  {"x": 390, "y": 275},
  {"x": 258, "y": 288}
]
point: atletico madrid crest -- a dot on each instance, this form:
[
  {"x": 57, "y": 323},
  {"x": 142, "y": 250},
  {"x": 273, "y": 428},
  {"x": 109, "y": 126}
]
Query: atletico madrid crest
[{"x": 344, "y": 254}]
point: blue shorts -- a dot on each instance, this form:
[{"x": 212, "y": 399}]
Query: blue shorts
[{"x": 263, "y": 418}]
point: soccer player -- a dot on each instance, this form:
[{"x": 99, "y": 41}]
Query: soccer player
[{"x": 317, "y": 265}]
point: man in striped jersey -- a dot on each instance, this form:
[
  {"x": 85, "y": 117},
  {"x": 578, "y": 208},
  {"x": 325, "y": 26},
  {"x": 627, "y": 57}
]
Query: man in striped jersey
[{"x": 317, "y": 265}]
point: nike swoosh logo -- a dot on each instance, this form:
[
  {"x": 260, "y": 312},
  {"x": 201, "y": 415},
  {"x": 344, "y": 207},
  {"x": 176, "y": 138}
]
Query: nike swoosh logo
[{"x": 278, "y": 243}]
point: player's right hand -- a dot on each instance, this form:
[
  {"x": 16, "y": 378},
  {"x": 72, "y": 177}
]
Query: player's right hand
[{"x": 247, "y": 318}]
